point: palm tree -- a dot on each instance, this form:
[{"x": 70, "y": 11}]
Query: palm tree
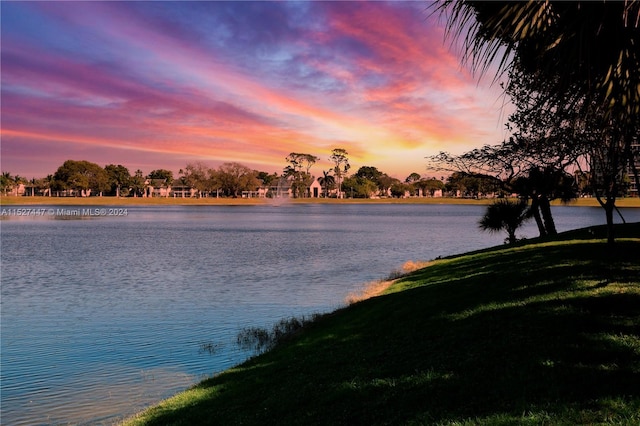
[
  {"x": 6, "y": 182},
  {"x": 505, "y": 215},
  {"x": 326, "y": 181},
  {"x": 588, "y": 49}
]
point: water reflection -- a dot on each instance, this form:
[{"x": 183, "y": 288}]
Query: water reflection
[{"x": 101, "y": 317}]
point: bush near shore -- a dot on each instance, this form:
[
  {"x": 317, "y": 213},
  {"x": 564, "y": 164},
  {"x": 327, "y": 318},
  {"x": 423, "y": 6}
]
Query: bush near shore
[{"x": 543, "y": 332}]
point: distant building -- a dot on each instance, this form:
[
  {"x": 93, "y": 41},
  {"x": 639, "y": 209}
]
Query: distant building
[
  {"x": 18, "y": 189},
  {"x": 183, "y": 191},
  {"x": 157, "y": 188},
  {"x": 315, "y": 190},
  {"x": 281, "y": 189}
]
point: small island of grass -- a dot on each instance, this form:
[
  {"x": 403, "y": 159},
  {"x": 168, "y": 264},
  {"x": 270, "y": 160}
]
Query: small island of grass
[{"x": 541, "y": 332}]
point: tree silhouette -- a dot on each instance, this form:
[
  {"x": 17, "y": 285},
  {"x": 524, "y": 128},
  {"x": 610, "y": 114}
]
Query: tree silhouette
[
  {"x": 339, "y": 157},
  {"x": 580, "y": 56},
  {"x": 584, "y": 50},
  {"x": 504, "y": 215},
  {"x": 541, "y": 186}
]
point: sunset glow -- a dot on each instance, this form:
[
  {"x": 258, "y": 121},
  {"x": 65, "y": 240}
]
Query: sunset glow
[{"x": 160, "y": 84}]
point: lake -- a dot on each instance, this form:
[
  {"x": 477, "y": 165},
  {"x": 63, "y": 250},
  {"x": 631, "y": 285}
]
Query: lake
[{"x": 104, "y": 315}]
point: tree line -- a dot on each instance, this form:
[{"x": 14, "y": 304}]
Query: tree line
[
  {"x": 231, "y": 179},
  {"x": 84, "y": 178}
]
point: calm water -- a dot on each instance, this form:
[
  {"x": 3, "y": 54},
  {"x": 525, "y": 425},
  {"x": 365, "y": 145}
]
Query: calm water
[{"x": 103, "y": 316}]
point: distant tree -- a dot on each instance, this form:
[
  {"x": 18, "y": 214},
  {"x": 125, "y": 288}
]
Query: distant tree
[
  {"x": 412, "y": 183},
  {"x": 137, "y": 184},
  {"x": 429, "y": 186},
  {"x": 382, "y": 181},
  {"x": 504, "y": 215},
  {"x": 400, "y": 189},
  {"x": 43, "y": 185},
  {"x": 340, "y": 158},
  {"x": 301, "y": 161},
  {"x": 233, "y": 178},
  {"x": 299, "y": 181},
  {"x": 163, "y": 174},
  {"x": 472, "y": 185},
  {"x": 412, "y": 178},
  {"x": 20, "y": 179},
  {"x": 6, "y": 182},
  {"x": 358, "y": 187},
  {"x": 266, "y": 178},
  {"x": 327, "y": 181},
  {"x": 197, "y": 176},
  {"x": 298, "y": 172},
  {"x": 82, "y": 176},
  {"x": 119, "y": 178},
  {"x": 385, "y": 182},
  {"x": 461, "y": 184},
  {"x": 369, "y": 172}
]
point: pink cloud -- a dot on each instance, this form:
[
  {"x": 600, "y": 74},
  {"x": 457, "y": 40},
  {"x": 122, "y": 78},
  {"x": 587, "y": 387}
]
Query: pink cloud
[{"x": 372, "y": 79}]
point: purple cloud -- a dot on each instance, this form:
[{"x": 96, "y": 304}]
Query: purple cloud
[{"x": 248, "y": 81}]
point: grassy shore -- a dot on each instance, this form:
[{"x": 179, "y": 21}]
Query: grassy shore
[
  {"x": 130, "y": 201},
  {"x": 546, "y": 332}
]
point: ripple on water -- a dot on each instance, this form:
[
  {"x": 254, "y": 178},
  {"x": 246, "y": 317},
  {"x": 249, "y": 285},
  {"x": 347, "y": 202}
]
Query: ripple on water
[{"x": 101, "y": 318}]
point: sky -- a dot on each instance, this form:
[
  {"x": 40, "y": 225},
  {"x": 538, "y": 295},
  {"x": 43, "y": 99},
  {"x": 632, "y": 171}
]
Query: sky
[{"x": 153, "y": 85}]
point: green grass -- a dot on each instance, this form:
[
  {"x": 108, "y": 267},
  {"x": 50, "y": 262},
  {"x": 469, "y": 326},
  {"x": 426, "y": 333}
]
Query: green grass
[{"x": 541, "y": 333}]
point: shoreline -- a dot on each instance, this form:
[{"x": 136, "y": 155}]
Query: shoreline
[
  {"x": 378, "y": 287},
  {"x": 157, "y": 201},
  {"x": 418, "y": 333}
]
